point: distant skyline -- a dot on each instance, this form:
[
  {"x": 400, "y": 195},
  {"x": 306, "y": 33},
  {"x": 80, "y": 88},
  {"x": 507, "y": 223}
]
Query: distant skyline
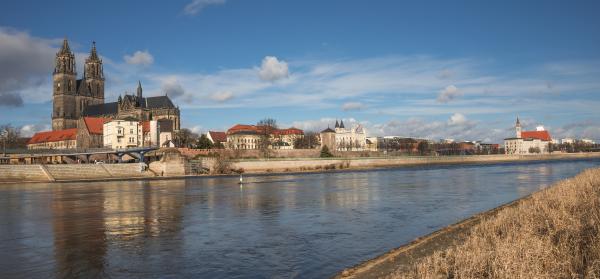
[{"x": 435, "y": 69}]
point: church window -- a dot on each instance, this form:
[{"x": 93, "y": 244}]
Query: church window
[
  {"x": 58, "y": 86},
  {"x": 69, "y": 85}
]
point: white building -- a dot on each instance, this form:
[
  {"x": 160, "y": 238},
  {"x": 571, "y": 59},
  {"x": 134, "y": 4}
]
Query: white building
[
  {"x": 353, "y": 139},
  {"x": 130, "y": 133},
  {"x": 568, "y": 140},
  {"x": 121, "y": 134},
  {"x": 528, "y": 142}
]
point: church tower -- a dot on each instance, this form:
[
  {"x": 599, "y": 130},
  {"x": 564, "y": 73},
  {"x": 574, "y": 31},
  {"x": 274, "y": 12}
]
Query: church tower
[
  {"x": 518, "y": 128},
  {"x": 64, "y": 77},
  {"x": 93, "y": 75}
]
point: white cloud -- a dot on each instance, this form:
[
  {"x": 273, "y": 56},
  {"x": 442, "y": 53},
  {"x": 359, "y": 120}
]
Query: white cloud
[
  {"x": 30, "y": 129},
  {"x": 197, "y": 6},
  {"x": 272, "y": 69},
  {"x": 139, "y": 58},
  {"x": 448, "y": 94},
  {"x": 221, "y": 96},
  {"x": 172, "y": 87},
  {"x": 457, "y": 119},
  {"x": 352, "y": 106}
]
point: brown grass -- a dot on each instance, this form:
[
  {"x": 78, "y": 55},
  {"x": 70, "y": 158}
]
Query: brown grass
[{"x": 555, "y": 233}]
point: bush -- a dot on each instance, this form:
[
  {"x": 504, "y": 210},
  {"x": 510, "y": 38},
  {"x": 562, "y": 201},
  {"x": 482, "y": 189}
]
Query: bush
[{"x": 325, "y": 153}]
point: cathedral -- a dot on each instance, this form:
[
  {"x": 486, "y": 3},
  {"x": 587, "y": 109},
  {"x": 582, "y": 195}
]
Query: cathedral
[{"x": 75, "y": 98}]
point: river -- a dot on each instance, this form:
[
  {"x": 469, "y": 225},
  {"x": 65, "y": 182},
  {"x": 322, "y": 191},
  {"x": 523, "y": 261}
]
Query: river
[{"x": 272, "y": 226}]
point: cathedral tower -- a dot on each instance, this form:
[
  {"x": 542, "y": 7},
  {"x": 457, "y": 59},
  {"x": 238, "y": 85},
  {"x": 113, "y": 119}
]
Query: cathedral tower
[
  {"x": 90, "y": 89},
  {"x": 64, "y": 76},
  {"x": 93, "y": 76}
]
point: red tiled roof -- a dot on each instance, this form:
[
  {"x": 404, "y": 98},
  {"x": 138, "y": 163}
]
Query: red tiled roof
[
  {"x": 145, "y": 126},
  {"x": 542, "y": 135},
  {"x": 53, "y": 136},
  {"x": 290, "y": 131},
  {"x": 255, "y": 129},
  {"x": 95, "y": 124},
  {"x": 218, "y": 136},
  {"x": 242, "y": 127}
]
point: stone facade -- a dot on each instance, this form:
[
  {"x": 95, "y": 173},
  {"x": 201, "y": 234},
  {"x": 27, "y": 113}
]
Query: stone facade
[
  {"x": 75, "y": 98},
  {"x": 72, "y": 95}
]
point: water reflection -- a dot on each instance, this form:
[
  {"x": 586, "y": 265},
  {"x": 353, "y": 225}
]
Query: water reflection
[{"x": 307, "y": 226}]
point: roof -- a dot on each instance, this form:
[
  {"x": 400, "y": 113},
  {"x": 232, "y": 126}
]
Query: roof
[
  {"x": 218, "y": 136},
  {"x": 328, "y": 130},
  {"x": 101, "y": 109},
  {"x": 112, "y": 108},
  {"x": 145, "y": 126},
  {"x": 54, "y": 136},
  {"x": 253, "y": 129},
  {"x": 541, "y": 135},
  {"x": 289, "y": 131},
  {"x": 95, "y": 125}
]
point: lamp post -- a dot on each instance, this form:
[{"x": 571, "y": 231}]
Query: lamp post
[{"x": 4, "y": 135}]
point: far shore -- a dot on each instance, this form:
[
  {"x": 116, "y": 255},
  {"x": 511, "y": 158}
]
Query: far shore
[{"x": 40, "y": 173}]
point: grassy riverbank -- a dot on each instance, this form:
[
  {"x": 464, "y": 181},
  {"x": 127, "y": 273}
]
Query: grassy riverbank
[{"x": 554, "y": 233}]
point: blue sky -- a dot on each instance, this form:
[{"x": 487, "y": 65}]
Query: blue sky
[{"x": 436, "y": 69}]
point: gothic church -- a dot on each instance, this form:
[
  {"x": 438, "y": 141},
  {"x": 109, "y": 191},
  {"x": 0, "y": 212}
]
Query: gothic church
[{"x": 76, "y": 98}]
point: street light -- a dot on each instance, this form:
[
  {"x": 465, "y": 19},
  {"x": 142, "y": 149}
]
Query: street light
[{"x": 4, "y": 135}]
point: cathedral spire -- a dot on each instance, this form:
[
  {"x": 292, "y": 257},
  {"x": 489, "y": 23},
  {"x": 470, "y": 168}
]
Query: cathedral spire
[
  {"x": 337, "y": 125},
  {"x": 93, "y": 53},
  {"x": 65, "y": 49},
  {"x": 139, "y": 89}
]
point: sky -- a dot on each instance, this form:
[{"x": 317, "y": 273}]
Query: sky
[{"x": 432, "y": 69}]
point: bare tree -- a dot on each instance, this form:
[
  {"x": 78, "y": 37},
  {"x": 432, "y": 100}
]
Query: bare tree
[
  {"x": 265, "y": 129},
  {"x": 9, "y": 136},
  {"x": 185, "y": 138},
  {"x": 310, "y": 140}
]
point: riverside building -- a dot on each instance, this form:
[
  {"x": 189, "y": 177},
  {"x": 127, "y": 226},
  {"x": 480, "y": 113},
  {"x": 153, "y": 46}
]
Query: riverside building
[{"x": 528, "y": 142}]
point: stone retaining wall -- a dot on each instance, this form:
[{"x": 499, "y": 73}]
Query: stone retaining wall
[{"x": 16, "y": 173}]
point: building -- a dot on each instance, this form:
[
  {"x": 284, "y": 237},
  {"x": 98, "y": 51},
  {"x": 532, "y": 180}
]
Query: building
[
  {"x": 328, "y": 138},
  {"x": 567, "y": 141},
  {"x": 62, "y": 139},
  {"x": 130, "y": 133},
  {"x": 217, "y": 138},
  {"x": 74, "y": 98},
  {"x": 79, "y": 103},
  {"x": 528, "y": 142},
  {"x": 121, "y": 134},
  {"x": 353, "y": 139},
  {"x": 243, "y": 136}
]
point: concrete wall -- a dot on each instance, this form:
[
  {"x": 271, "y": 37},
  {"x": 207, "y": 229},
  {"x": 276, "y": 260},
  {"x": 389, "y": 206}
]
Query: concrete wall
[{"x": 15, "y": 173}]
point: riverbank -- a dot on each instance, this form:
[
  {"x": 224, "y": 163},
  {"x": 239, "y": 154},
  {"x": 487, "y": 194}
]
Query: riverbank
[
  {"x": 322, "y": 164},
  {"x": 553, "y": 233},
  {"x": 178, "y": 167}
]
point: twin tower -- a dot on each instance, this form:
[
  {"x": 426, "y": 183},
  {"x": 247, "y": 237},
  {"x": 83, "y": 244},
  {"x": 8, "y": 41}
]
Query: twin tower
[{"x": 71, "y": 95}]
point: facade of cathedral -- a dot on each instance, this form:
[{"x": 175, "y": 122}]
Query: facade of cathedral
[{"x": 76, "y": 98}]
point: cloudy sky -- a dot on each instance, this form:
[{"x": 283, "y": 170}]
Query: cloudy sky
[{"x": 434, "y": 69}]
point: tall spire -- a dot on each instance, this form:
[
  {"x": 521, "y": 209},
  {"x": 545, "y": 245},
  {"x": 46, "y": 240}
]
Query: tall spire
[
  {"x": 518, "y": 122},
  {"x": 65, "y": 49},
  {"x": 342, "y": 124},
  {"x": 337, "y": 125},
  {"x": 93, "y": 53},
  {"x": 139, "y": 89}
]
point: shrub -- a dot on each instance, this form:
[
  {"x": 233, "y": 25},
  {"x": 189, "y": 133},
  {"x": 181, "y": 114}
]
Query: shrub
[{"x": 325, "y": 153}]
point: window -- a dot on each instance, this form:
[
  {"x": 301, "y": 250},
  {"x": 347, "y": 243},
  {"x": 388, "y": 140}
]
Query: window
[{"x": 131, "y": 131}]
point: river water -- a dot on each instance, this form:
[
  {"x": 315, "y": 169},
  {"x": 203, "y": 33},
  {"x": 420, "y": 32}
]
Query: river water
[{"x": 274, "y": 226}]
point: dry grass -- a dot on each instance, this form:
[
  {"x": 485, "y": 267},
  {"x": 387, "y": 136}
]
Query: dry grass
[{"x": 553, "y": 234}]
